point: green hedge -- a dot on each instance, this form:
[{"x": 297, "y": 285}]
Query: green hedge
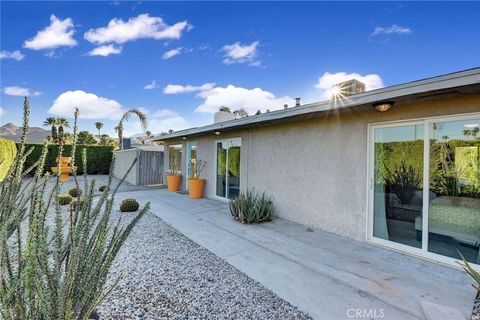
[
  {"x": 8, "y": 151},
  {"x": 98, "y": 157}
]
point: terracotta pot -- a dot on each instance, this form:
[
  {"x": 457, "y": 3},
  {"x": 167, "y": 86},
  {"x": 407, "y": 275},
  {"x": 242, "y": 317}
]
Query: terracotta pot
[
  {"x": 195, "y": 188},
  {"x": 173, "y": 182}
]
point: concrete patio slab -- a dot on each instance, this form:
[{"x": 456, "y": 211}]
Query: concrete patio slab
[{"x": 328, "y": 276}]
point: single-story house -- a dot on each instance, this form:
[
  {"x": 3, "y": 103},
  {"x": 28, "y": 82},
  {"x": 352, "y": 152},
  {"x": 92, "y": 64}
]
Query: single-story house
[{"x": 397, "y": 167}]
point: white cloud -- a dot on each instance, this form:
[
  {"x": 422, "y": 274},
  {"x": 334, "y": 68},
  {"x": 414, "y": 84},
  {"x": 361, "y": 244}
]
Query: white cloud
[
  {"x": 2, "y": 112},
  {"x": 393, "y": 29},
  {"x": 59, "y": 33},
  {"x": 327, "y": 80},
  {"x": 172, "y": 53},
  {"x": 177, "y": 88},
  {"x": 16, "y": 55},
  {"x": 238, "y": 53},
  {"x": 237, "y": 97},
  {"x": 90, "y": 105},
  {"x": 164, "y": 113},
  {"x": 19, "y": 91},
  {"x": 140, "y": 27},
  {"x": 104, "y": 51},
  {"x": 160, "y": 121},
  {"x": 152, "y": 85}
]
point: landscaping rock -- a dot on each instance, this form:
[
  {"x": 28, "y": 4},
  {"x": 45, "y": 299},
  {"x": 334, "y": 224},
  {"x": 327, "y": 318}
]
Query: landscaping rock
[
  {"x": 165, "y": 275},
  {"x": 476, "y": 309}
]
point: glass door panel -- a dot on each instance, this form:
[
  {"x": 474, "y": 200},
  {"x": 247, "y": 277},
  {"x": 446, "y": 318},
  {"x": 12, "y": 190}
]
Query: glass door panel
[
  {"x": 398, "y": 183},
  {"x": 228, "y": 168},
  {"x": 221, "y": 174},
  {"x": 454, "y": 198},
  {"x": 234, "y": 169},
  {"x": 191, "y": 157}
]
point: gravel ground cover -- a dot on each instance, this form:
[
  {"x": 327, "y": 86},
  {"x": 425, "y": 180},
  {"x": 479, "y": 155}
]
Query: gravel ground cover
[
  {"x": 99, "y": 180},
  {"x": 476, "y": 309},
  {"x": 164, "y": 275}
]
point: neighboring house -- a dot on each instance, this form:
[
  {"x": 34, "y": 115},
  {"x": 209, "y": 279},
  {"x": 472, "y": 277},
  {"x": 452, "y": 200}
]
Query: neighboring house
[{"x": 346, "y": 168}]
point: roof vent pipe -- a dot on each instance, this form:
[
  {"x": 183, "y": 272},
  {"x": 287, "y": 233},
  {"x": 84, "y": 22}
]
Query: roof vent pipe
[{"x": 297, "y": 102}]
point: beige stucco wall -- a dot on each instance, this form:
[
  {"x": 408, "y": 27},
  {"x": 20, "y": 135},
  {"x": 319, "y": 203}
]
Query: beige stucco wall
[
  {"x": 316, "y": 169},
  {"x": 124, "y": 160}
]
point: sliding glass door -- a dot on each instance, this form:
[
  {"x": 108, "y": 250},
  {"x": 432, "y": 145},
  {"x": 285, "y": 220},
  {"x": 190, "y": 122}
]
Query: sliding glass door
[
  {"x": 424, "y": 188},
  {"x": 227, "y": 154},
  {"x": 397, "y": 184},
  {"x": 454, "y": 202}
]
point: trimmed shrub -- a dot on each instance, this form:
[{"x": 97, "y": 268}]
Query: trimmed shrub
[
  {"x": 252, "y": 207},
  {"x": 74, "y": 192},
  {"x": 8, "y": 151},
  {"x": 99, "y": 157},
  {"x": 129, "y": 205},
  {"x": 78, "y": 202},
  {"x": 103, "y": 188},
  {"x": 64, "y": 199}
]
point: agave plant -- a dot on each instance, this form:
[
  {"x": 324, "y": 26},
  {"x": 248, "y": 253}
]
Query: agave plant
[
  {"x": 252, "y": 207},
  {"x": 470, "y": 271},
  {"x": 54, "y": 262}
]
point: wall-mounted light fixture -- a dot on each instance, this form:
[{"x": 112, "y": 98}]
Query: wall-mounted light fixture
[
  {"x": 217, "y": 132},
  {"x": 383, "y": 106},
  {"x": 184, "y": 138}
]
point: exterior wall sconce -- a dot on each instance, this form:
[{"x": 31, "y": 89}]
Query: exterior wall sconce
[
  {"x": 217, "y": 132},
  {"x": 184, "y": 138},
  {"x": 383, "y": 106}
]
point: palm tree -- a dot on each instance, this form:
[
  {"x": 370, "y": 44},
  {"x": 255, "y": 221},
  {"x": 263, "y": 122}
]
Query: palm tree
[
  {"x": 51, "y": 121},
  {"x": 61, "y": 122},
  {"x": 99, "y": 125},
  {"x": 142, "y": 117}
]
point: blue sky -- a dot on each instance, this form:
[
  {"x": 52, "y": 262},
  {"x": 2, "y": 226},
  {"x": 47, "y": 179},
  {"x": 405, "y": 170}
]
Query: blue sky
[{"x": 103, "y": 56}]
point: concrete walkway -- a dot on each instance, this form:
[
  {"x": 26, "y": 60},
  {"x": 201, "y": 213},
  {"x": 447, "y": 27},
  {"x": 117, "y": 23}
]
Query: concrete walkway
[{"x": 328, "y": 276}]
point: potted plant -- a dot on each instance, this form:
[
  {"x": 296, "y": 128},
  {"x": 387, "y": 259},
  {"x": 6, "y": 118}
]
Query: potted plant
[
  {"x": 173, "y": 178},
  {"x": 196, "y": 184}
]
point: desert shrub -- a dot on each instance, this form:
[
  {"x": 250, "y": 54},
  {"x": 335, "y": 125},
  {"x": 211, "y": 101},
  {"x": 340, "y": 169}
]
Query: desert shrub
[
  {"x": 252, "y": 207},
  {"x": 99, "y": 157},
  {"x": 52, "y": 265},
  {"x": 64, "y": 199},
  {"x": 103, "y": 188},
  {"x": 8, "y": 151},
  {"x": 75, "y": 192},
  {"x": 129, "y": 205}
]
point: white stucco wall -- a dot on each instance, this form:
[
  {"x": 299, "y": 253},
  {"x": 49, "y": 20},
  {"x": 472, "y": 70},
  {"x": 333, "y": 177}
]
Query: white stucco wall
[{"x": 317, "y": 169}]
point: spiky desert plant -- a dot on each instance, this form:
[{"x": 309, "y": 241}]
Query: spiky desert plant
[
  {"x": 252, "y": 207},
  {"x": 129, "y": 205},
  {"x": 54, "y": 270},
  {"x": 75, "y": 192},
  {"x": 76, "y": 204},
  {"x": 64, "y": 199},
  {"x": 470, "y": 271}
]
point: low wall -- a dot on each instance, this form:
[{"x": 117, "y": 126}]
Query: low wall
[
  {"x": 146, "y": 171},
  {"x": 123, "y": 161}
]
